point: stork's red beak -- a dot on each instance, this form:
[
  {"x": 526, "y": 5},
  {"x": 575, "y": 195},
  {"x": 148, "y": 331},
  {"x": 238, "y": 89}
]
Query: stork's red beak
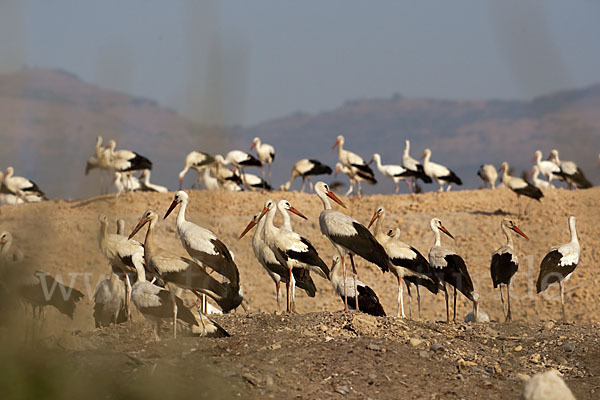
[
  {"x": 370, "y": 162},
  {"x": 549, "y": 156},
  {"x": 171, "y": 208},
  {"x": 335, "y": 144},
  {"x": 298, "y": 213},
  {"x": 501, "y": 168},
  {"x": 253, "y": 146},
  {"x": 529, "y": 174},
  {"x": 443, "y": 229},
  {"x": 333, "y": 197},
  {"x": 138, "y": 227},
  {"x": 520, "y": 232},
  {"x": 423, "y": 156},
  {"x": 373, "y": 219},
  {"x": 250, "y": 226},
  {"x": 534, "y": 159}
]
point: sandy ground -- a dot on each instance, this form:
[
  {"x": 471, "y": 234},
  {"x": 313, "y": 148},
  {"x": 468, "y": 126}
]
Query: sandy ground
[{"x": 321, "y": 353}]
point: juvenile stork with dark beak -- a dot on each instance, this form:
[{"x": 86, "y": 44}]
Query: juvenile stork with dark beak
[
  {"x": 291, "y": 249},
  {"x": 505, "y": 263},
  {"x": 449, "y": 267},
  {"x": 182, "y": 272},
  {"x": 348, "y": 236},
  {"x": 559, "y": 264},
  {"x": 408, "y": 264}
]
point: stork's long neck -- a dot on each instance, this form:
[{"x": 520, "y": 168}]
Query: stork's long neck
[
  {"x": 378, "y": 161},
  {"x": 325, "y": 201},
  {"x": 505, "y": 174},
  {"x": 426, "y": 159},
  {"x": 406, "y": 150},
  {"x": 287, "y": 223},
  {"x": 509, "y": 240},
  {"x": 149, "y": 247},
  {"x": 378, "y": 225},
  {"x": 573, "y": 231},
  {"x": 141, "y": 273},
  {"x": 437, "y": 240},
  {"x": 102, "y": 234},
  {"x": 259, "y": 234},
  {"x": 335, "y": 273},
  {"x": 147, "y": 177},
  {"x": 269, "y": 225},
  {"x": 340, "y": 149},
  {"x": 181, "y": 213},
  {"x": 556, "y": 159},
  {"x": 538, "y": 160}
]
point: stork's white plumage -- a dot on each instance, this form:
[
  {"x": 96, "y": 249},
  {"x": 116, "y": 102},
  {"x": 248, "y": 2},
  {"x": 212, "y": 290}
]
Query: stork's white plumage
[
  {"x": 196, "y": 160},
  {"x": 395, "y": 172},
  {"x": 407, "y": 263},
  {"x": 202, "y": 245},
  {"x": 438, "y": 172},
  {"x": 505, "y": 262},
  {"x": 570, "y": 172},
  {"x": 537, "y": 182},
  {"x": 210, "y": 182},
  {"x": 266, "y": 154},
  {"x": 559, "y": 264},
  {"x": 355, "y": 176},
  {"x": 126, "y": 160},
  {"x": 353, "y": 160},
  {"x": 6, "y": 196},
  {"x": 449, "y": 267},
  {"x": 254, "y": 182},
  {"x": 488, "y": 174},
  {"x": 547, "y": 168},
  {"x": 306, "y": 168},
  {"x": 520, "y": 186},
  {"x": 110, "y": 301},
  {"x": 8, "y": 252},
  {"x": 477, "y": 315},
  {"x": 21, "y": 187},
  {"x": 238, "y": 159},
  {"x": 347, "y": 235},
  {"x": 413, "y": 165}
]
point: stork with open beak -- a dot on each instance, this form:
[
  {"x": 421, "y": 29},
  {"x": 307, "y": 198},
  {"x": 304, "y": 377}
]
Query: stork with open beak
[{"x": 348, "y": 236}]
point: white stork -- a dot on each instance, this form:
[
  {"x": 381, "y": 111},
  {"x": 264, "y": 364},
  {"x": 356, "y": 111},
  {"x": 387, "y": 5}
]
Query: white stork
[
  {"x": 183, "y": 272},
  {"x": 547, "y": 168},
  {"x": 210, "y": 182},
  {"x": 254, "y": 182},
  {"x": 505, "y": 263},
  {"x": 23, "y": 188},
  {"x": 126, "y": 160},
  {"x": 407, "y": 262},
  {"x": 559, "y": 264},
  {"x": 352, "y": 160},
  {"x": 9, "y": 252},
  {"x": 202, "y": 245},
  {"x": 520, "y": 186},
  {"x": 449, "y": 267},
  {"x": 477, "y": 315},
  {"x": 110, "y": 301},
  {"x": 348, "y": 236},
  {"x": 394, "y": 172},
  {"x": 537, "y": 182},
  {"x": 570, "y": 172},
  {"x": 274, "y": 268},
  {"x": 366, "y": 299},
  {"x": 438, "y": 172},
  {"x": 306, "y": 168},
  {"x": 266, "y": 154},
  {"x": 355, "y": 176},
  {"x": 238, "y": 159},
  {"x": 291, "y": 249},
  {"x": 413, "y": 165},
  {"x": 196, "y": 160},
  {"x": 488, "y": 174}
]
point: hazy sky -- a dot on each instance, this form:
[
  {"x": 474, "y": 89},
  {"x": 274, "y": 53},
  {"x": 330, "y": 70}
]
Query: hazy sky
[{"x": 247, "y": 61}]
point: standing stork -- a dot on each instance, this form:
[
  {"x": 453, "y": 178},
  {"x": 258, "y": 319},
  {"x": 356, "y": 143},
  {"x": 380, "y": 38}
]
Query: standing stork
[
  {"x": 520, "y": 186},
  {"x": 348, "y": 236},
  {"x": 547, "y": 168},
  {"x": 6, "y": 196},
  {"x": 269, "y": 262},
  {"x": 266, "y": 154},
  {"x": 196, "y": 160},
  {"x": 110, "y": 301},
  {"x": 126, "y": 160},
  {"x": 449, "y": 267},
  {"x": 291, "y": 249},
  {"x": 488, "y": 174},
  {"x": 238, "y": 159},
  {"x": 407, "y": 263},
  {"x": 255, "y": 182},
  {"x": 352, "y": 160},
  {"x": 394, "y": 172},
  {"x": 438, "y": 172},
  {"x": 537, "y": 182},
  {"x": 570, "y": 172},
  {"x": 202, "y": 245},
  {"x": 364, "y": 296},
  {"x": 413, "y": 165},
  {"x": 559, "y": 264},
  {"x": 355, "y": 175},
  {"x": 306, "y": 168},
  {"x": 23, "y": 188},
  {"x": 505, "y": 263}
]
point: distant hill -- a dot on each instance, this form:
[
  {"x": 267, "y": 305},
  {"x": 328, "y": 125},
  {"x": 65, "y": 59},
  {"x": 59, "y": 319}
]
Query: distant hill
[{"x": 49, "y": 120}]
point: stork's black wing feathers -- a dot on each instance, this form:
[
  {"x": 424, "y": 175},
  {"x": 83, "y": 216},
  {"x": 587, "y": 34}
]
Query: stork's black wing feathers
[
  {"x": 365, "y": 245},
  {"x": 502, "y": 269},
  {"x": 318, "y": 168},
  {"x": 310, "y": 257}
]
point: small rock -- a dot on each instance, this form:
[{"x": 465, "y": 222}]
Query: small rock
[
  {"x": 276, "y": 346},
  {"x": 549, "y": 325},
  {"x": 364, "y": 325},
  {"x": 518, "y": 348},
  {"x": 375, "y": 347},
  {"x": 414, "y": 342},
  {"x": 269, "y": 380},
  {"x": 424, "y": 354},
  {"x": 488, "y": 384},
  {"x": 251, "y": 379},
  {"x": 535, "y": 358},
  {"x": 569, "y": 347},
  {"x": 328, "y": 339},
  {"x": 343, "y": 390},
  {"x": 437, "y": 347},
  {"x": 323, "y": 328}
]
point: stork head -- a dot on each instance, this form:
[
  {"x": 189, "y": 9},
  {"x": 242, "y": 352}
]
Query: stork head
[
  {"x": 103, "y": 219},
  {"x": 426, "y": 153},
  {"x": 437, "y": 225},
  {"x": 339, "y": 141},
  {"x": 9, "y": 172},
  {"x": 537, "y": 156},
  {"x": 250, "y": 225},
  {"x": 379, "y": 212},
  {"x": 179, "y": 198},
  {"x": 322, "y": 190},
  {"x": 149, "y": 216},
  {"x": 111, "y": 144},
  {"x": 553, "y": 153},
  {"x": 508, "y": 223},
  {"x": 335, "y": 260},
  {"x": 285, "y": 205},
  {"x": 5, "y": 237},
  {"x": 503, "y": 167},
  {"x": 255, "y": 143},
  {"x": 394, "y": 233},
  {"x": 376, "y": 157}
]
